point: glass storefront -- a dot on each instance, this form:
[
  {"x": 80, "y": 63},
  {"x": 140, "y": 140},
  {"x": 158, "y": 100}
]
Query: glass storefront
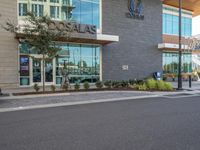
[
  {"x": 82, "y": 63},
  {"x": 170, "y": 62}
]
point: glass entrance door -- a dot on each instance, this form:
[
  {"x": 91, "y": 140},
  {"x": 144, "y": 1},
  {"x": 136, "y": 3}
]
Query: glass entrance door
[
  {"x": 49, "y": 71},
  {"x": 37, "y": 70}
]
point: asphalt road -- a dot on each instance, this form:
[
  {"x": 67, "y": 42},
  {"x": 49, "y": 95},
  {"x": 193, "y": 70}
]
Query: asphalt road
[{"x": 145, "y": 124}]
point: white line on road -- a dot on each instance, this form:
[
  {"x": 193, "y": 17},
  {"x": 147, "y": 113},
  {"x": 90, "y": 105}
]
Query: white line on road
[{"x": 73, "y": 103}]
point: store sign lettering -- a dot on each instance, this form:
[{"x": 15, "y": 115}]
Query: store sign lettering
[
  {"x": 73, "y": 27},
  {"x": 135, "y": 8}
]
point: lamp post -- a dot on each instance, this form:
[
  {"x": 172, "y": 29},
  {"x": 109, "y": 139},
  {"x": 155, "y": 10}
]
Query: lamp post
[{"x": 180, "y": 47}]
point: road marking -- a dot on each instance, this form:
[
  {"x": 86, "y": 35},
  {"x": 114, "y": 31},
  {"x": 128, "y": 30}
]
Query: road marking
[{"x": 74, "y": 103}]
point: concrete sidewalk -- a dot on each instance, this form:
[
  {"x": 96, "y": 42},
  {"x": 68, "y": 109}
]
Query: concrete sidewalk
[
  {"x": 195, "y": 85},
  {"x": 14, "y": 103},
  {"x": 32, "y": 100}
]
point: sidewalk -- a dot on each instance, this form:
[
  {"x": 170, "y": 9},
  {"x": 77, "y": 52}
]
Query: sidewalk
[
  {"x": 23, "y": 101},
  {"x": 13, "y": 103},
  {"x": 195, "y": 85}
]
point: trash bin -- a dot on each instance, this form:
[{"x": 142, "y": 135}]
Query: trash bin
[{"x": 157, "y": 75}]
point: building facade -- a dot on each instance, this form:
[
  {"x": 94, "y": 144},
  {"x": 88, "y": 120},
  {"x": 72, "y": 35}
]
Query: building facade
[
  {"x": 124, "y": 45},
  {"x": 190, "y": 54},
  {"x": 170, "y": 34}
]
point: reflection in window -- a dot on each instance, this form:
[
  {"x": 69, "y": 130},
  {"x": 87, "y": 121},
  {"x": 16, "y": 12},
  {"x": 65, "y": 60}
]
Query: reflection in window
[
  {"x": 22, "y": 9},
  {"x": 86, "y": 12},
  {"x": 54, "y": 12},
  {"x": 171, "y": 22},
  {"x": 38, "y": 10},
  {"x": 54, "y": 1},
  {"x": 80, "y": 11},
  {"x": 170, "y": 62},
  {"x": 82, "y": 62}
]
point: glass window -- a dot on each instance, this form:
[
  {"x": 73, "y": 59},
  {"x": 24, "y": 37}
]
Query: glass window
[
  {"x": 170, "y": 62},
  {"x": 82, "y": 63},
  {"x": 54, "y": 12},
  {"x": 54, "y": 1},
  {"x": 80, "y": 11},
  {"x": 38, "y": 10},
  {"x": 171, "y": 23},
  {"x": 22, "y": 9},
  {"x": 24, "y": 81},
  {"x": 24, "y": 70},
  {"x": 86, "y": 12}
]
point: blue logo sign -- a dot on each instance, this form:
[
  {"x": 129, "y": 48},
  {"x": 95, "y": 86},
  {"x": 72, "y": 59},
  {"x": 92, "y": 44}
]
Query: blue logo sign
[{"x": 135, "y": 8}]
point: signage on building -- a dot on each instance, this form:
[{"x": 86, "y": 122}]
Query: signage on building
[
  {"x": 135, "y": 8},
  {"x": 72, "y": 27},
  {"x": 125, "y": 67}
]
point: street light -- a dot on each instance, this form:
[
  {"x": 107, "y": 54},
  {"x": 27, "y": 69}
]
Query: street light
[{"x": 180, "y": 47}]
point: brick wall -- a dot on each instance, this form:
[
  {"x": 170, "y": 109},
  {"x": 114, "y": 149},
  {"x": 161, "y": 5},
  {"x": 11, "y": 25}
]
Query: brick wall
[{"x": 138, "y": 45}]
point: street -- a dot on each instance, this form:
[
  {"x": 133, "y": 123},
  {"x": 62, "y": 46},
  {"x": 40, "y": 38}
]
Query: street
[{"x": 145, "y": 124}]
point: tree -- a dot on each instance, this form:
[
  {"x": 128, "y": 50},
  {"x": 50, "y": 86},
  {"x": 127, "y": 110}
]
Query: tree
[{"x": 38, "y": 36}]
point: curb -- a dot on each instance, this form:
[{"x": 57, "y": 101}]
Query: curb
[
  {"x": 66, "y": 94},
  {"x": 34, "y": 96},
  {"x": 74, "y": 103}
]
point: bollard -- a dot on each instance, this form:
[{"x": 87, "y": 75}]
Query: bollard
[{"x": 190, "y": 81}]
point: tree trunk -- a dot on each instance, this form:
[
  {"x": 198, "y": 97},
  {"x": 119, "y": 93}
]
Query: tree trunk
[{"x": 43, "y": 72}]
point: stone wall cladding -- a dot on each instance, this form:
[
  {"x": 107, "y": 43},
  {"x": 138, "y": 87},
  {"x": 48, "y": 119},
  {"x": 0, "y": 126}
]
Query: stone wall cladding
[
  {"x": 8, "y": 46},
  {"x": 138, "y": 40}
]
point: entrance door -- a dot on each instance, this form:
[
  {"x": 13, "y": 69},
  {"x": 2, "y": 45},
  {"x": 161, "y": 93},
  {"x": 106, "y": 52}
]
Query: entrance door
[{"x": 37, "y": 71}]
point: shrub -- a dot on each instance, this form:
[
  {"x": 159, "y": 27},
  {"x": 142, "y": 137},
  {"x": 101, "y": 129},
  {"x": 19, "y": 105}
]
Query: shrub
[
  {"x": 168, "y": 86},
  {"x": 134, "y": 86},
  {"x": 77, "y": 86},
  {"x": 160, "y": 85},
  {"x": 65, "y": 86},
  {"x": 108, "y": 84},
  {"x": 86, "y": 85},
  {"x": 142, "y": 87},
  {"x": 99, "y": 84},
  {"x": 53, "y": 88},
  {"x": 141, "y": 82},
  {"x": 115, "y": 84},
  {"x": 151, "y": 84},
  {"x": 132, "y": 82},
  {"x": 36, "y": 87},
  {"x": 124, "y": 83}
]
